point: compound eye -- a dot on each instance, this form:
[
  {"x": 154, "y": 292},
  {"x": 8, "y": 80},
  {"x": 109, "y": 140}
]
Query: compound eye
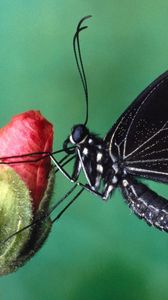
[{"x": 79, "y": 132}]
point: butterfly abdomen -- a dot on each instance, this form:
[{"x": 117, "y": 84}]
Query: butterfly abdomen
[{"x": 145, "y": 203}]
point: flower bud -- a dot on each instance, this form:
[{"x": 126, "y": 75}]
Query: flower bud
[{"x": 25, "y": 189}]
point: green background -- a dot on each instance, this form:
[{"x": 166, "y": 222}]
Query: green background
[{"x": 97, "y": 250}]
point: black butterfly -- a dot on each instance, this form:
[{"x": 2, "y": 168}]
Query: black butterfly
[{"x": 136, "y": 146}]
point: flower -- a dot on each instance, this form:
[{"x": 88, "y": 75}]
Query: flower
[{"x": 26, "y": 184}]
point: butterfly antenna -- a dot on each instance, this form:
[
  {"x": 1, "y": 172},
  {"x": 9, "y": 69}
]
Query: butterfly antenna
[{"x": 79, "y": 62}]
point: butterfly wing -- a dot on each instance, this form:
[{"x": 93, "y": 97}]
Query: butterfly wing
[{"x": 140, "y": 136}]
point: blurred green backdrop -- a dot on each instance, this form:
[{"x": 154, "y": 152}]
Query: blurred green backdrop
[{"x": 97, "y": 250}]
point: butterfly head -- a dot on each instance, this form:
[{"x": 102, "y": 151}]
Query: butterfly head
[{"x": 79, "y": 134}]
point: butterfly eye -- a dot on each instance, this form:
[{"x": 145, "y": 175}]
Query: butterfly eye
[{"x": 79, "y": 133}]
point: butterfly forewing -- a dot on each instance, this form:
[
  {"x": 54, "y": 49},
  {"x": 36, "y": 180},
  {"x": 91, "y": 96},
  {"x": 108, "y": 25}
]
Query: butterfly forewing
[{"x": 141, "y": 133}]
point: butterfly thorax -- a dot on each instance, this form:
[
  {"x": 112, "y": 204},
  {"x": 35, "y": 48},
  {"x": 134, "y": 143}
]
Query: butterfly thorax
[{"x": 92, "y": 157}]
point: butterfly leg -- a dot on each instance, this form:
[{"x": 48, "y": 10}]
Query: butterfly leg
[
  {"x": 62, "y": 170},
  {"x": 104, "y": 195},
  {"x": 145, "y": 203}
]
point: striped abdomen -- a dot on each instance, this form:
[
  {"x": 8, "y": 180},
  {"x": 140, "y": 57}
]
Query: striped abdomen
[{"x": 145, "y": 203}]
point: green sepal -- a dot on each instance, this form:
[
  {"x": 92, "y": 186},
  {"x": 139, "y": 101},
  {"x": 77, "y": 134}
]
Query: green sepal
[
  {"x": 42, "y": 226},
  {"x": 22, "y": 246},
  {"x": 15, "y": 213}
]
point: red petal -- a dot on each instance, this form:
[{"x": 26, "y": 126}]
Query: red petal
[{"x": 26, "y": 133}]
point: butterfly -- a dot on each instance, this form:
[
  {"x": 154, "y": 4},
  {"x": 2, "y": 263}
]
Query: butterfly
[{"x": 135, "y": 146}]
